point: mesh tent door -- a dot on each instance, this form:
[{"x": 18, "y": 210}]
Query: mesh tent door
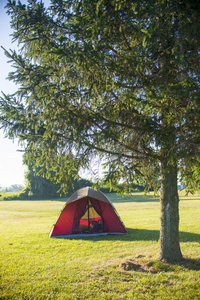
[{"x": 90, "y": 221}]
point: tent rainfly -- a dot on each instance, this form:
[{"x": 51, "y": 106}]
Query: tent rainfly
[{"x": 87, "y": 213}]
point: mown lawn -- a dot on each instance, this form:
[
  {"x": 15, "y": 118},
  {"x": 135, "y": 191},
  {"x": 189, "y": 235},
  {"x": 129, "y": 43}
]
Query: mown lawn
[{"x": 36, "y": 267}]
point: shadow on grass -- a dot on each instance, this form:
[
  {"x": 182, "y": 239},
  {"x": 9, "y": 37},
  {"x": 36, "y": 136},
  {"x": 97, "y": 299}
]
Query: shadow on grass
[
  {"x": 36, "y": 200},
  {"x": 138, "y": 264},
  {"x": 187, "y": 263},
  {"x": 141, "y": 235},
  {"x": 153, "y": 235},
  {"x": 113, "y": 197},
  {"x": 190, "y": 264},
  {"x": 189, "y": 237}
]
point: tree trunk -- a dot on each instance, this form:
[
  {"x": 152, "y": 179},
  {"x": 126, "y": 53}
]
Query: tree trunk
[{"x": 169, "y": 231}]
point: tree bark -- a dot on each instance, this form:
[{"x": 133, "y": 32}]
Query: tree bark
[{"x": 169, "y": 232}]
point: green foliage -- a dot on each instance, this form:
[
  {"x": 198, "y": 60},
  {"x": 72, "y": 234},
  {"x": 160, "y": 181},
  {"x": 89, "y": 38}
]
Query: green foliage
[
  {"x": 21, "y": 195},
  {"x": 191, "y": 175},
  {"x": 40, "y": 187},
  {"x": 14, "y": 188},
  {"x": 121, "y": 189},
  {"x": 117, "y": 79},
  {"x": 120, "y": 79}
]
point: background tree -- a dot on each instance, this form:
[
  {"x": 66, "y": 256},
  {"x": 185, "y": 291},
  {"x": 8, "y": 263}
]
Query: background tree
[
  {"x": 115, "y": 78},
  {"x": 41, "y": 187},
  {"x": 15, "y": 188}
]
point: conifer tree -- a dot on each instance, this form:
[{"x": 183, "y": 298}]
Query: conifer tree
[{"x": 113, "y": 78}]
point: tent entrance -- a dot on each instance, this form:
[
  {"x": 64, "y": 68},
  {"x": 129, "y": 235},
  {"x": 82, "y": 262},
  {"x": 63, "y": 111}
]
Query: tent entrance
[{"x": 91, "y": 221}]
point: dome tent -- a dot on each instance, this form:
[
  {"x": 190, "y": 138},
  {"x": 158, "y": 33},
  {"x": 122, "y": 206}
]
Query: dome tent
[{"x": 87, "y": 213}]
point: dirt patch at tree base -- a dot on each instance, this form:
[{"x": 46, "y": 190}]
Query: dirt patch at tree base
[{"x": 134, "y": 264}]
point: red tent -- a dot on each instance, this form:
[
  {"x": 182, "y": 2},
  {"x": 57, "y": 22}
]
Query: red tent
[{"x": 88, "y": 212}]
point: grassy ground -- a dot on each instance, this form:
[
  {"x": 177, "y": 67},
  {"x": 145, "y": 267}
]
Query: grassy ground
[{"x": 32, "y": 266}]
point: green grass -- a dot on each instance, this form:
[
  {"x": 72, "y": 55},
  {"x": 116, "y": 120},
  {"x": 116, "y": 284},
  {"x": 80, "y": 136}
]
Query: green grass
[{"x": 32, "y": 266}]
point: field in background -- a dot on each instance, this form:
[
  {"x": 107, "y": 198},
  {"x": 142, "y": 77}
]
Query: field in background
[{"x": 32, "y": 266}]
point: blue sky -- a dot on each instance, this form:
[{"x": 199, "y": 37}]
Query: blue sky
[{"x": 11, "y": 166}]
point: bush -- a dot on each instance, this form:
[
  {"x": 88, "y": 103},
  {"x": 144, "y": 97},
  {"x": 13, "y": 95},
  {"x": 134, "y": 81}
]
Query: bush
[{"x": 22, "y": 195}]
